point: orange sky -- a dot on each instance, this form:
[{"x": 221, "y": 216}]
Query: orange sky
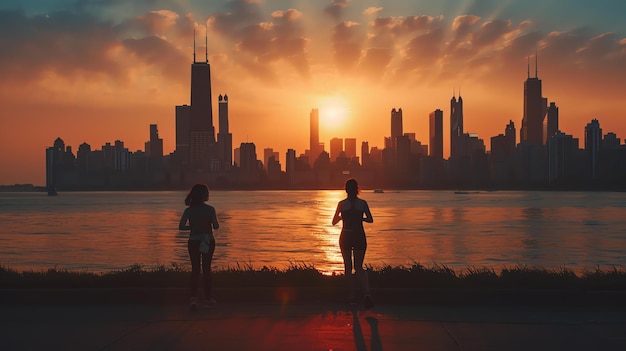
[{"x": 99, "y": 76}]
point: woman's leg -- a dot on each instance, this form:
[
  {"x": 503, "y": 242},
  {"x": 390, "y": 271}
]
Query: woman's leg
[
  {"x": 346, "y": 253},
  {"x": 361, "y": 274},
  {"x": 193, "y": 247},
  {"x": 206, "y": 271}
]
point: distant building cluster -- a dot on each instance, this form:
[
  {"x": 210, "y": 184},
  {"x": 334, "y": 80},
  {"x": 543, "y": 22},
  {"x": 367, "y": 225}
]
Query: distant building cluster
[{"x": 544, "y": 158}]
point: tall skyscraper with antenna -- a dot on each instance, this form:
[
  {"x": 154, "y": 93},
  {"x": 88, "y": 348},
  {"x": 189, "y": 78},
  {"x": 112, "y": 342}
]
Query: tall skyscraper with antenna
[
  {"x": 202, "y": 131},
  {"x": 535, "y": 108}
]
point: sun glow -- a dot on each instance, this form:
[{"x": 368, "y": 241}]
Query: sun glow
[{"x": 333, "y": 112}]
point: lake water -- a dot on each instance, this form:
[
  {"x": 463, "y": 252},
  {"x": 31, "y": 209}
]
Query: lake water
[{"x": 104, "y": 231}]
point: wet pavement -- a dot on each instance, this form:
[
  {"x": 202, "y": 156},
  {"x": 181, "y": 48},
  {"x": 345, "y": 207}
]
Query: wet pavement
[{"x": 90, "y": 323}]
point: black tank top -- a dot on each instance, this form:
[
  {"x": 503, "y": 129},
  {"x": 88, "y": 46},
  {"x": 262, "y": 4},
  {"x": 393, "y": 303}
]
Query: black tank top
[{"x": 352, "y": 217}]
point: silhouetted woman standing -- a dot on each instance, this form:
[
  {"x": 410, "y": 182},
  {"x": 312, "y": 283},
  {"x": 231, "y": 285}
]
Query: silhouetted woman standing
[
  {"x": 353, "y": 211},
  {"x": 200, "y": 219}
]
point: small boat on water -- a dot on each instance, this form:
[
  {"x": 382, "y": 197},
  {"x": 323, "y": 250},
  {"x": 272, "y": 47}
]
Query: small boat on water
[{"x": 378, "y": 191}]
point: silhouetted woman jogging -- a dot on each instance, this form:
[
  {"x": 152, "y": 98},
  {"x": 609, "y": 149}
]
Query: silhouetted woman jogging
[
  {"x": 353, "y": 211},
  {"x": 200, "y": 219}
]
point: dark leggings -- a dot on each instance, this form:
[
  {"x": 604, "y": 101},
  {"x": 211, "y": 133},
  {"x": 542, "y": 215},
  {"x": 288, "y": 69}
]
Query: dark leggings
[{"x": 193, "y": 246}]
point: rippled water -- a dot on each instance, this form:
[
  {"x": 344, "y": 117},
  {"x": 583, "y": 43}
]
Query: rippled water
[{"x": 102, "y": 231}]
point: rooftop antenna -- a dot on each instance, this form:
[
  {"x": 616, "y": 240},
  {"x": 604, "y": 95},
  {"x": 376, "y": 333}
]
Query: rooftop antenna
[
  {"x": 536, "y": 64},
  {"x": 194, "y": 45},
  {"x": 206, "y": 46},
  {"x": 528, "y": 59}
]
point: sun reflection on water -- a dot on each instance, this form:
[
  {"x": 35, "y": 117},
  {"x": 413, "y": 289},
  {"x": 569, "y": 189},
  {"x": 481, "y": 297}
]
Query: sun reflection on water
[{"x": 327, "y": 234}]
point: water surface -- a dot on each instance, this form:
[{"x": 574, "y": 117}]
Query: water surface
[{"x": 103, "y": 231}]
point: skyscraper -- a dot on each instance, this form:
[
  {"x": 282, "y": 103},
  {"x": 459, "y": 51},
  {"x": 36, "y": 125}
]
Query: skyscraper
[
  {"x": 183, "y": 134},
  {"x": 350, "y": 147},
  {"x": 224, "y": 137},
  {"x": 314, "y": 136},
  {"x": 365, "y": 153},
  {"x": 154, "y": 147},
  {"x": 248, "y": 157},
  {"x": 336, "y": 148},
  {"x": 269, "y": 152},
  {"x": 456, "y": 127},
  {"x": 202, "y": 132},
  {"x": 396, "y": 124},
  {"x": 435, "y": 123},
  {"x": 593, "y": 140},
  {"x": 553, "y": 120},
  {"x": 535, "y": 107},
  {"x": 509, "y": 133},
  {"x": 290, "y": 164}
]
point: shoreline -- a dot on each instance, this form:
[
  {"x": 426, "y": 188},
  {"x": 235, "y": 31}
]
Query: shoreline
[{"x": 417, "y": 276}]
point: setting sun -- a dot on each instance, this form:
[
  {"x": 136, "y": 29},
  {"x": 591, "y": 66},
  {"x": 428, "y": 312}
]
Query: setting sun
[{"x": 333, "y": 113}]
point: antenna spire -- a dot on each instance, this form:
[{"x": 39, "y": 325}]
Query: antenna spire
[
  {"x": 194, "y": 45},
  {"x": 206, "y": 45},
  {"x": 536, "y": 64},
  {"x": 528, "y": 59}
]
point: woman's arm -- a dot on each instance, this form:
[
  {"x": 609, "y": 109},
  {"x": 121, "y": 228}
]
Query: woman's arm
[
  {"x": 214, "y": 221},
  {"x": 182, "y": 225},
  {"x": 337, "y": 216},
  {"x": 368, "y": 215}
]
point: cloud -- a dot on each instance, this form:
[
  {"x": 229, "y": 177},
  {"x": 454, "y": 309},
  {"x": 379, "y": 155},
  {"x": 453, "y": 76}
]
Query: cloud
[
  {"x": 60, "y": 51},
  {"x": 372, "y": 10},
  {"x": 159, "y": 53},
  {"x": 61, "y": 43},
  {"x": 335, "y": 9},
  {"x": 424, "y": 49},
  {"x": 163, "y": 23},
  {"x": 376, "y": 62},
  {"x": 347, "y": 44},
  {"x": 579, "y": 55},
  {"x": 264, "y": 41},
  {"x": 239, "y": 15}
]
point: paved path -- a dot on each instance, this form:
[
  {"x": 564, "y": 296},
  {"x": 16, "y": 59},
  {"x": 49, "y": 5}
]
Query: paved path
[{"x": 309, "y": 326}]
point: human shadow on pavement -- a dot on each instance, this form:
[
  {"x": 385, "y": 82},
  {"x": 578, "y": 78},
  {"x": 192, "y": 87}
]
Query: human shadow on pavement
[{"x": 359, "y": 340}]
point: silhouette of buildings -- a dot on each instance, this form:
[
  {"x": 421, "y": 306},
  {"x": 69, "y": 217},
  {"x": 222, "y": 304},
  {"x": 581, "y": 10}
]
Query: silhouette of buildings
[{"x": 544, "y": 158}]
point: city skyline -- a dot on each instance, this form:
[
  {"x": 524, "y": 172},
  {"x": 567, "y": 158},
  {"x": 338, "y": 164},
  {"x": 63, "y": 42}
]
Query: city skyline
[{"x": 115, "y": 87}]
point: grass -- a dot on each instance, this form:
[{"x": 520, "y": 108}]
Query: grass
[{"x": 303, "y": 275}]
